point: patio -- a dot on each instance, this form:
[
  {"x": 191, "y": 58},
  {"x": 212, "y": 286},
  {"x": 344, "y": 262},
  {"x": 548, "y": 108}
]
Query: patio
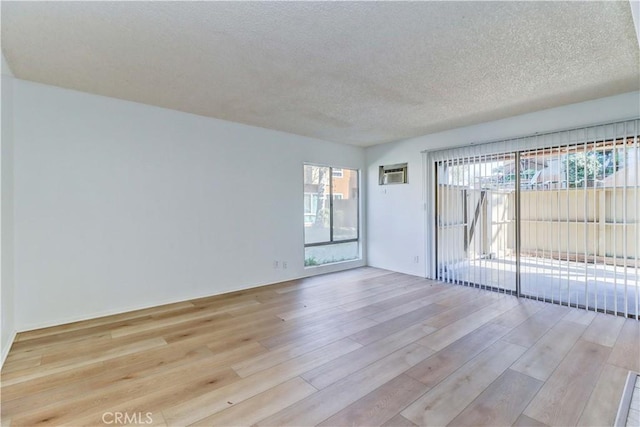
[{"x": 599, "y": 286}]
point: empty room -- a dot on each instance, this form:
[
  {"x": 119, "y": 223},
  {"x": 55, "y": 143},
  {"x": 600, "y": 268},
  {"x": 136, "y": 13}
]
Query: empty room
[{"x": 320, "y": 213}]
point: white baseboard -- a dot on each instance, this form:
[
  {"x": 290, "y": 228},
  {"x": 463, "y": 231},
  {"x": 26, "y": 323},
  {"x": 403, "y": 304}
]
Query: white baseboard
[
  {"x": 329, "y": 268},
  {"x": 625, "y": 400},
  {"x": 5, "y": 351},
  {"x": 104, "y": 313}
]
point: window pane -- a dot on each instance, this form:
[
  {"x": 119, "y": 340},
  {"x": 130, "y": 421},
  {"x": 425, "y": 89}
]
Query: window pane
[
  {"x": 345, "y": 205},
  {"x": 326, "y": 254},
  {"x": 316, "y": 204}
]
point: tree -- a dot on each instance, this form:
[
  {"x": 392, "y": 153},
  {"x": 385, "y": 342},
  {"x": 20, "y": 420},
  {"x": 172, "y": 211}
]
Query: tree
[
  {"x": 582, "y": 167},
  {"x": 591, "y": 166},
  {"x": 322, "y": 211},
  {"x": 317, "y": 178}
]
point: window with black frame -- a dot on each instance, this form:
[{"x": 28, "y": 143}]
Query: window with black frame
[{"x": 331, "y": 214}]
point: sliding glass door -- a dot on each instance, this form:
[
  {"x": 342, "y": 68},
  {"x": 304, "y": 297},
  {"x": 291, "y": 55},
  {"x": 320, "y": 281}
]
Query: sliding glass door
[
  {"x": 579, "y": 225},
  {"x": 559, "y": 223},
  {"x": 475, "y": 221}
]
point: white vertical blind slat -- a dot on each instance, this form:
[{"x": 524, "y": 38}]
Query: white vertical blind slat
[
  {"x": 625, "y": 226},
  {"x": 582, "y": 222},
  {"x": 614, "y": 203}
]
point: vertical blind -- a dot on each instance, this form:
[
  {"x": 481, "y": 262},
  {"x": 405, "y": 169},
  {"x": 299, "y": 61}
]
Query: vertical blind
[{"x": 553, "y": 217}]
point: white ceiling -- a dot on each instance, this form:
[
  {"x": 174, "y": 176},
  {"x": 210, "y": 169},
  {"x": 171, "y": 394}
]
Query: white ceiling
[{"x": 357, "y": 73}]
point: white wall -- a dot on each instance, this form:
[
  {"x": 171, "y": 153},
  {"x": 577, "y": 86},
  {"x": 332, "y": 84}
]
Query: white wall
[
  {"x": 635, "y": 14},
  {"x": 120, "y": 205},
  {"x": 395, "y": 213},
  {"x": 7, "y": 311}
]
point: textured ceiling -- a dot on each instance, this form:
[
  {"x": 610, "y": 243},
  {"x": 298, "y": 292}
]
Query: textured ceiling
[{"x": 358, "y": 73}]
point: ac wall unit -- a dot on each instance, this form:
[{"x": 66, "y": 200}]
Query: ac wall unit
[{"x": 393, "y": 174}]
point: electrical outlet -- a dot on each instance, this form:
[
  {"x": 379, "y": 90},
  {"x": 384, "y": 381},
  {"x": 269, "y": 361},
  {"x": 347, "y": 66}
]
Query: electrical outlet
[
  {"x": 284, "y": 265},
  {"x": 275, "y": 264}
]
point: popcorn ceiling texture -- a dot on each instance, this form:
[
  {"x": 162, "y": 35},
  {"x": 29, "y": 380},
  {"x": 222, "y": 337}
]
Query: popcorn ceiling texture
[{"x": 357, "y": 73}]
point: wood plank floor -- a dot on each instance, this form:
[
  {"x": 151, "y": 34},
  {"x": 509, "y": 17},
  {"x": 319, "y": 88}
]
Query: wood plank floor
[{"x": 361, "y": 347}]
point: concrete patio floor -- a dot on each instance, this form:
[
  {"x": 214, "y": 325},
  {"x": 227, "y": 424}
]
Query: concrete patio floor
[{"x": 571, "y": 283}]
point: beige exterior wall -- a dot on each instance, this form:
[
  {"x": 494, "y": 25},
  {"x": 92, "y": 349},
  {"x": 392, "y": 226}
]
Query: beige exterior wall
[{"x": 569, "y": 223}]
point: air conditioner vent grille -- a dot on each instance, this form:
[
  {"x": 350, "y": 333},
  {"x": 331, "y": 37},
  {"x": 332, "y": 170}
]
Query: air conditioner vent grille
[{"x": 393, "y": 174}]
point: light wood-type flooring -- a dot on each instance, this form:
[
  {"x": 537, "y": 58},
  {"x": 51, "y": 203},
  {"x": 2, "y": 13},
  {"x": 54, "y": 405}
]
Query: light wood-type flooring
[{"x": 363, "y": 347}]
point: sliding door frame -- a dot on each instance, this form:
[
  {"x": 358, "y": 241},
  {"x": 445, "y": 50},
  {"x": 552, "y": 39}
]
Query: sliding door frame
[
  {"x": 517, "y": 146},
  {"x": 518, "y": 224}
]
